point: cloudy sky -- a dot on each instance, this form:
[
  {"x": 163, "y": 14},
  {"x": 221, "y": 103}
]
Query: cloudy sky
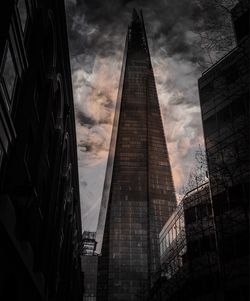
[{"x": 184, "y": 36}]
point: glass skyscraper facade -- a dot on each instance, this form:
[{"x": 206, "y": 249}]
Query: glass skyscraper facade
[{"x": 138, "y": 194}]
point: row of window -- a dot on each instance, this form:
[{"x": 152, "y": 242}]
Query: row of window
[
  {"x": 136, "y": 203},
  {"x": 8, "y": 70},
  {"x": 138, "y": 63},
  {"x": 227, "y": 116},
  {"x": 173, "y": 266},
  {"x": 132, "y": 243},
  {"x": 1, "y": 155},
  {"x": 226, "y": 79},
  {"x": 130, "y": 95},
  {"x": 177, "y": 229},
  {"x": 131, "y": 154},
  {"x": 129, "y": 249},
  {"x": 8, "y": 77},
  {"x": 135, "y": 125},
  {"x": 130, "y": 234},
  {"x": 199, "y": 247},
  {"x": 197, "y": 213},
  {"x": 140, "y": 258}
]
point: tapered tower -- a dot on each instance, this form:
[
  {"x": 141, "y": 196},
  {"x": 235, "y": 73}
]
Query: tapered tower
[{"x": 138, "y": 194}]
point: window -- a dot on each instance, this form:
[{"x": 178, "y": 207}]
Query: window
[
  {"x": 27, "y": 158},
  {"x": 9, "y": 74},
  {"x": 36, "y": 102},
  {"x": 201, "y": 210},
  {"x": 224, "y": 116},
  {"x": 29, "y": 154},
  {"x": 49, "y": 45},
  {"x": 206, "y": 92},
  {"x": 210, "y": 125},
  {"x": 232, "y": 74},
  {"x": 23, "y": 14},
  {"x": 238, "y": 108},
  {"x": 50, "y": 146},
  {"x": 190, "y": 215},
  {"x": 1, "y": 155},
  {"x": 241, "y": 26},
  {"x": 58, "y": 105}
]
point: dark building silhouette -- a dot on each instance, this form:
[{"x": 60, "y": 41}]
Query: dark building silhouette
[
  {"x": 189, "y": 258},
  {"x": 89, "y": 267},
  {"x": 138, "y": 193},
  {"x": 89, "y": 260},
  {"x": 224, "y": 98},
  {"x": 40, "y": 224},
  {"x": 88, "y": 243}
]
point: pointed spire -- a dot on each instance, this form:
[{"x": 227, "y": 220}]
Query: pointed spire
[
  {"x": 136, "y": 32},
  {"x": 135, "y": 16}
]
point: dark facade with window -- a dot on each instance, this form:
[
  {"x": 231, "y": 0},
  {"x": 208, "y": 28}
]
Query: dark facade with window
[
  {"x": 138, "y": 193},
  {"x": 189, "y": 258},
  {"x": 40, "y": 223},
  {"x": 224, "y": 98},
  {"x": 89, "y": 260}
]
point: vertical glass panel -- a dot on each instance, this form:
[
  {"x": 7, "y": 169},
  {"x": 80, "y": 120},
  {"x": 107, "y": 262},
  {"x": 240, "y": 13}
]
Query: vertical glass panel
[
  {"x": 210, "y": 125},
  {"x": 36, "y": 102},
  {"x": 1, "y": 155},
  {"x": 9, "y": 73},
  {"x": 22, "y": 9}
]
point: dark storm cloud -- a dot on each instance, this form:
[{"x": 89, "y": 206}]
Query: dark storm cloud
[
  {"x": 105, "y": 24},
  {"x": 84, "y": 120}
]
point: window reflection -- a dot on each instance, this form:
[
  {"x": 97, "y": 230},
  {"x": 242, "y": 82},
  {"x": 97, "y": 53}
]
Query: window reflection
[
  {"x": 22, "y": 9},
  {"x": 1, "y": 155},
  {"x": 9, "y": 73}
]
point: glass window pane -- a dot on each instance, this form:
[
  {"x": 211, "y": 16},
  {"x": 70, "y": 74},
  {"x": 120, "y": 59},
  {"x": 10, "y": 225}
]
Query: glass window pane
[
  {"x": 22, "y": 9},
  {"x": 1, "y": 154},
  {"x": 210, "y": 125},
  {"x": 9, "y": 73}
]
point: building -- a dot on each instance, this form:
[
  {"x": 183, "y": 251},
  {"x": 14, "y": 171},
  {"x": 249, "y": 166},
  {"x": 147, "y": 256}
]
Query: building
[
  {"x": 189, "y": 261},
  {"x": 89, "y": 268},
  {"x": 89, "y": 260},
  {"x": 40, "y": 223},
  {"x": 138, "y": 193},
  {"x": 88, "y": 244},
  {"x": 224, "y": 99},
  {"x": 202, "y": 251}
]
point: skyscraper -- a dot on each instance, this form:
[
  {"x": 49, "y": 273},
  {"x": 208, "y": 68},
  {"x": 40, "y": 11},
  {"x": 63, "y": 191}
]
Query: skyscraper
[
  {"x": 89, "y": 262},
  {"x": 138, "y": 193}
]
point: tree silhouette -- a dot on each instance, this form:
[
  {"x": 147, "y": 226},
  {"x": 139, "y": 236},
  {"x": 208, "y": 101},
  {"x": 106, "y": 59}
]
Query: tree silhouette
[{"x": 215, "y": 37}]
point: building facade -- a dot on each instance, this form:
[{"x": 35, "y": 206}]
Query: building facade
[
  {"x": 40, "y": 223},
  {"x": 138, "y": 193},
  {"x": 189, "y": 258},
  {"x": 88, "y": 243},
  {"x": 89, "y": 260},
  {"x": 224, "y": 99}
]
